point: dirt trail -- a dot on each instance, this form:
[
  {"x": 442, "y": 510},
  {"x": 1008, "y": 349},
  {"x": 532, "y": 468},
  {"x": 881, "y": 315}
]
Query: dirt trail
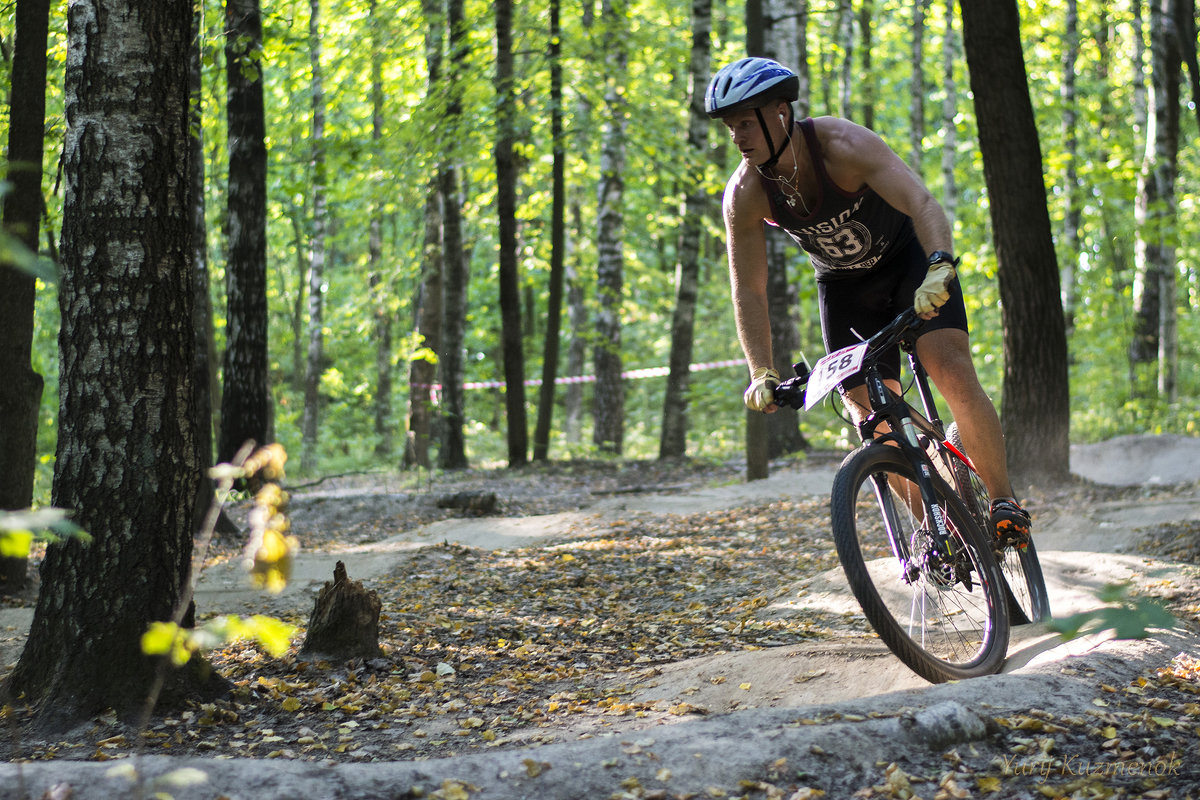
[{"x": 752, "y": 699}]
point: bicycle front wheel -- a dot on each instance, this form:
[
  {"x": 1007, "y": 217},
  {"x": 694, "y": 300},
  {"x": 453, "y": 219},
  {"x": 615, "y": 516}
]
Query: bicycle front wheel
[
  {"x": 1028, "y": 599},
  {"x": 944, "y": 614}
]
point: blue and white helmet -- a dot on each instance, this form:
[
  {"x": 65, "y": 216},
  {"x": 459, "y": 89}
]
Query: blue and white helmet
[{"x": 749, "y": 83}]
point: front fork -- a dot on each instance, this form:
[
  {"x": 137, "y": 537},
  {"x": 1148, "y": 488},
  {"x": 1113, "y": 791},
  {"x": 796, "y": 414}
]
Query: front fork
[{"x": 907, "y": 438}]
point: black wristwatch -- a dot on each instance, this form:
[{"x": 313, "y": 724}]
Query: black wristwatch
[{"x": 939, "y": 256}]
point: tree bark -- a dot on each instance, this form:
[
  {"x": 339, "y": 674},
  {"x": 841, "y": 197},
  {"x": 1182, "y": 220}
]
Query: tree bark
[
  {"x": 245, "y": 399},
  {"x": 1071, "y": 213},
  {"x": 380, "y": 288},
  {"x": 314, "y": 362},
  {"x": 21, "y": 389},
  {"x": 558, "y": 204},
  {"x": 506, "y": 209},
  {"x": 673, "y": 440},
  {"x": 127, "y": 459},
  {"x": 1154, "y": 287},
  {"x": 916, "y": 106},
  {"x": 949, "y": 116},
  {"x": 608, "y": 433},
  {"x": 1036, "y": 412},
  {"x": 453, "y": 453}
]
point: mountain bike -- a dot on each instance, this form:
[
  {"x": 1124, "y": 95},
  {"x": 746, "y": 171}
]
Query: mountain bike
[{"x": 910, "y": 520}]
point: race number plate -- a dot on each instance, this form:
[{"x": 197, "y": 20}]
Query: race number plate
[{"x": 832, "y": 370}]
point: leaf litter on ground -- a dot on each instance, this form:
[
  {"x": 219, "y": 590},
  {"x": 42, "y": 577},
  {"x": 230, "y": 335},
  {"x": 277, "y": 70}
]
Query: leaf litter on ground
[{"x": 488, "y": 649}]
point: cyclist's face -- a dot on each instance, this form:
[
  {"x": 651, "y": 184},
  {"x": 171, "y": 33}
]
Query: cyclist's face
[{"x": 747, "y": 133}]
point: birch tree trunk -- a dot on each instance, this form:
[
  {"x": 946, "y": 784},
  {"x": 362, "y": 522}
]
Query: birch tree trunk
[
  {"x": 315, "y": 355},
  {"x": 609, "y": 400},
  {"x": 127, "y": 461},
  {"x": 380, "y": 288},
  {"x": 245, "y": 399}
]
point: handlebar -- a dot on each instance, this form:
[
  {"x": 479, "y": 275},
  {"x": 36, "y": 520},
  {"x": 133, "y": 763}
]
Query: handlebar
[{"x": 790, "y": 393}]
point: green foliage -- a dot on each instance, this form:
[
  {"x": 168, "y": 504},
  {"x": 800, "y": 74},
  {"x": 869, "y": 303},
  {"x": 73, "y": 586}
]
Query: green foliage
[
  {"x": 19, "y": 530},
  {"x": 389, "y": 180},
  {"x": 1128, "y": 616}
]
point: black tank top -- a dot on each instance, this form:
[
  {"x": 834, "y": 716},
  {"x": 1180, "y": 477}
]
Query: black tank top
[{"x": 847, "y": 233}]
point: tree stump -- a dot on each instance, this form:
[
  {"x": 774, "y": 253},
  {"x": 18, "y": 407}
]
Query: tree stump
[{"x": 345, "y": 620}]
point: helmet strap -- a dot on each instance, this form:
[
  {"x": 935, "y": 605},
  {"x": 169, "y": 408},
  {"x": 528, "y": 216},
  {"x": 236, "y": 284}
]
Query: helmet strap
[{"x": 787, "y": 137}]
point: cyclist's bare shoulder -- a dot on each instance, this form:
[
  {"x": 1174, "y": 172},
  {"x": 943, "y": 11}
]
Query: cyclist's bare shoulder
[
  {"x": 852, "y": 153},
  {"x": 745, "y": 202}
]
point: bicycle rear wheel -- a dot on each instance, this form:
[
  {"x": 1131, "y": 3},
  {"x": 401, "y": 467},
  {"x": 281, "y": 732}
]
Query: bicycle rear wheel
[
  {"x": 1028, "y": 599},
  {"x": 946, "y": 618}
]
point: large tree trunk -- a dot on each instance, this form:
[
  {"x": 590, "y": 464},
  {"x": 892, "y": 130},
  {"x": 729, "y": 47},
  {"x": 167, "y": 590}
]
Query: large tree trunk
[
  {"x": 127, "y": 460},
  {"x": 453, "y": 453},
  {"x": 314, "y": 362},
  {"x": 21, "y": 389},
  {"x": 673, "y": 441},
  {"x": 506, "y": 209},
  {"x": 245, "y": 399},
  {"x": 608, "y": 433},
  {"x": 1036, "y": 410},
  {"x": 558, "y": 204}
]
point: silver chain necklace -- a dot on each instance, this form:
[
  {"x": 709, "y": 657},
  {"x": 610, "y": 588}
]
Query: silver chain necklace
[{"x": 785, "y": 184}]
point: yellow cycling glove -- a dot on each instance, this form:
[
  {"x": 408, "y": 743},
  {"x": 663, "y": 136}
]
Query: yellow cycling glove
[
  {"x": 934, "y": 292},
  {"x": 761, "y": 392}
]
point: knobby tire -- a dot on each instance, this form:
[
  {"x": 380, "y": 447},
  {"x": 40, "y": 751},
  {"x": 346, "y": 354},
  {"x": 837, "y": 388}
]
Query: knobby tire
[
  {"x": 963, "y": 625},
  {"x": 1029, "y": 601}
]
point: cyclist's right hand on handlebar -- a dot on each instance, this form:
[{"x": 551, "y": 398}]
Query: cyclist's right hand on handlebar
[
  {"x": 761, "y": 392},
  {"x": 934, "y": 292}
]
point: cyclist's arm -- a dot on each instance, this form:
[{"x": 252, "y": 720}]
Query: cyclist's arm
[
  {"x": 744, "y": 207},
  {"x": 856, "y": 156}
]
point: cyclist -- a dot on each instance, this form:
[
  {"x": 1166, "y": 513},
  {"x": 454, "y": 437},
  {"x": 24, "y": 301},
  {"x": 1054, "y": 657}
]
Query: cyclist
[{"x": 877, "y": 239}]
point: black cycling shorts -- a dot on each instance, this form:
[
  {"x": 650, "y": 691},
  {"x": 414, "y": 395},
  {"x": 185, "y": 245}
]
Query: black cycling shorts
[{"x": 855, "y": 308}]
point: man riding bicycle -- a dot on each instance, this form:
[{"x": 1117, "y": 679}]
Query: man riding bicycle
[{"x": 877, "y": 239}]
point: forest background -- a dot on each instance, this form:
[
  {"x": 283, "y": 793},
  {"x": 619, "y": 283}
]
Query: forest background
[{"x": 357, "y": 129}]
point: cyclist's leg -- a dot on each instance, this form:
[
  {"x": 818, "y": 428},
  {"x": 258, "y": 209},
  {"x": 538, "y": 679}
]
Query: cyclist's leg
[{"x": 946, "y": 355}]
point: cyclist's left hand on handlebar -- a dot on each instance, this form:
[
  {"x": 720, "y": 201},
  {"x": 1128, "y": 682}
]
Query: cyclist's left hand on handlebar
[
  {"x": 934, "y": 292},
  {"x": 761, "y": 393}
]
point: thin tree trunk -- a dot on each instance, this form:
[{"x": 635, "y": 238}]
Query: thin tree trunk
[
  {"x": 916, "y": 104},
  {"x": 550, "y": 351},
  {"x": 427, "y": 322},
  {"x": 949, "y": 116},
  {"x": 1071, "y": 214},
  {"x": 453, "y": 453},
  {"x": 609, "y": 399},
  {"x": 21, "y": 389},
  {"x": 845, "y": 39},
  {"x": 866, "y": 12},
  {"x": 673, "y": 441},
  {"x": 245, "y": 399},
  {"x": 127, "y": 461},
  {"x": 380, "y": 289},
  {"x": 506, "y": 209},
  {"x": 1036, "y": 412},
  {"x": 315, "y": 357}
]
